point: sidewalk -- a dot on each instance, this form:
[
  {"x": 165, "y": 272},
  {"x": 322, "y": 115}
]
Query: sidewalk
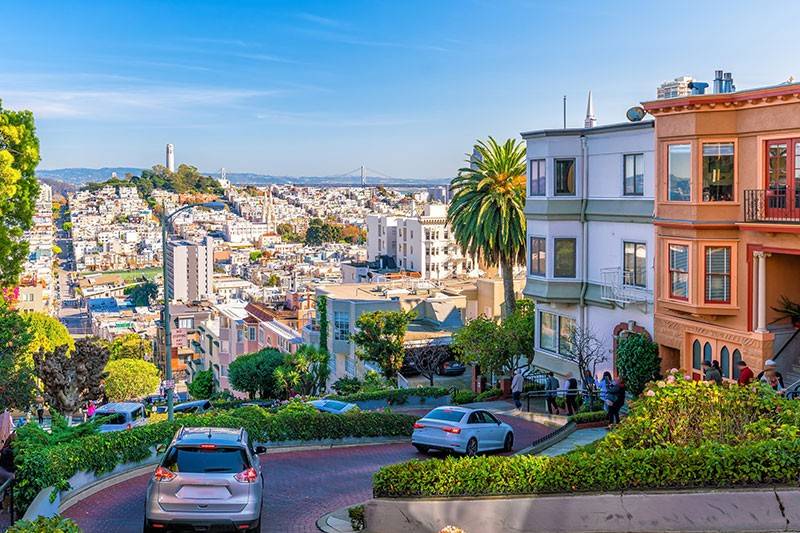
[
  {"x": 336, "y": 522},
  {"x": 580, "y": 437}
]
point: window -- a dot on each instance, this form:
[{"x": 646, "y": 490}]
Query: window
[
  {"x": 547, "y": 331},
  {"x": 679, "y": 271},
  {"x": 565, "y": 177},
  {"x": 696, "y": 360},
  {"x": 341, "y": 326},
  {"x": 537, "y": 177},
  {"x": 565, "y": 258},
  {"x": 350, "y": 366},
  {"x": 565, "y": 327},
  {"x": 718, "y": 274},
  {"x": 634, "y": 174},
  {"x": 718, "y": 172},
  {"x": 239, "y": 335},
  {"x": 251, "y": 333},
  {"x": 538, "y": 256},
  {"x": 186, "y": 323},
  {"x": 679, "y": 168},
  {"x": 737, "y": 356},
  {"x": 635, "y": 264},
  {"x": 707, "y": 351},
  {"x": 725, "y": 362}
]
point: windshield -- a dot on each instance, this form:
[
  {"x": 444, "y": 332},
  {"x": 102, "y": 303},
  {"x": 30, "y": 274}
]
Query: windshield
[
  {"x": 197, "y": 460},
  {"x": 447, "y": 415},
  {"x": 333, "y": 404},
  {"x": 110, "y": 418}
]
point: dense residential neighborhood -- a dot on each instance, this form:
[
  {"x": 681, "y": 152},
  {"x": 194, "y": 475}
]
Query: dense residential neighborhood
[{"x": 587, "y": 322}]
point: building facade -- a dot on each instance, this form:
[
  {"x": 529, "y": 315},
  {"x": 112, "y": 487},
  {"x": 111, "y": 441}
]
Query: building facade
[
  {"x": 190, "y": 270},
  {"x": 590, "y": 241},
  {"x": 676, "y": 88},
  {"x": 727, "y": 227}
]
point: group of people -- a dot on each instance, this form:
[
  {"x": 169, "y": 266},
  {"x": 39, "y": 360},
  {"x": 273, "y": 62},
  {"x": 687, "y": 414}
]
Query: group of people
[{"x": 770, "y": 375}]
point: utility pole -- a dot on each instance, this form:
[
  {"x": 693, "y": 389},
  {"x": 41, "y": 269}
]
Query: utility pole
[{"x": 565, "y": 111}]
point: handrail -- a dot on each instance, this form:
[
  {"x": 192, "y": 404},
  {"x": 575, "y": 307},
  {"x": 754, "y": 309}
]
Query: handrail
[{"x": 9, "y": 486}]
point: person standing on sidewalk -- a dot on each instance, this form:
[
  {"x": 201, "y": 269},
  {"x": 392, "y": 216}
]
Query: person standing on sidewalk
[
  {"x": 517, "y": 383},
  {"x": 571, "y": 395},
  {"x": 551, "y": 388}
]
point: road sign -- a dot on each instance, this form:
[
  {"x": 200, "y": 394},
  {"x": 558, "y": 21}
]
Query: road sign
[{"x": 168, "y": 384}]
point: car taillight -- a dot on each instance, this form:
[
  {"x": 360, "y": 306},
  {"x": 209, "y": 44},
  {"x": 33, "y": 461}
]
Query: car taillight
[
  {"x": 248, "y": 476},
  {"x": 208, "y": 446},
  {"x": 417, "y": 425},
  {"x": 449, "y": 429},
  {"x": 163, "y": 474}
]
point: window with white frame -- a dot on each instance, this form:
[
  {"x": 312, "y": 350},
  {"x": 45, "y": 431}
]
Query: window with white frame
[
  {"x": 635, "y": 264},
  {"x": 341, "y": 325},
  {"x": 537, "y": 177},
  {"x": 554, "y": 332},
  {"x": 186, "y": 323}
]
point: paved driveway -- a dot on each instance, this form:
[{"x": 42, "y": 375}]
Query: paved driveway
[{"x": 301, "y": 486}]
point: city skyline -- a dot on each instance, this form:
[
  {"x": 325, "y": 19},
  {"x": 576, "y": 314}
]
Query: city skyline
[{"x": 319, "y": 88}]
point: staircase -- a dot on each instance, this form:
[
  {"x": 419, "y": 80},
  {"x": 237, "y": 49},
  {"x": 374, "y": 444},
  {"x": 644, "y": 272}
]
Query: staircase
[{"x": 787, "y": 355}]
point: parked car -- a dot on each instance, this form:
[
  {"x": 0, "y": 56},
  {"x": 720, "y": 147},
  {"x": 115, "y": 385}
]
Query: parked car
[
  {"x": 120, "y": 415},
  {"x": 266, "y": 404},
  {"x": 461, "y": 430},
  {"x": 332, "y": 406},
  {"x": 451, "y": 368},
  {"x": 409, "y": 369},
  {"x": 197, "y": 406},
  {"x": 209, "y": 479}
]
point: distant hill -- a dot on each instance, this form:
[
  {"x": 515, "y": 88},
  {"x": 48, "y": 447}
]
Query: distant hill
[
  {"x": 60, "y": 188},
  {"x": 80, "y": 176}
]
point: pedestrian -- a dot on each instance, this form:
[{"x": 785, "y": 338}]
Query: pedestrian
[
  {"x": 745, "y": 373},
  {"x": 551, "y": 388},
  {"x": 516, "y": 387},
  {"x": 711, "y": 373},
  {"x": 770, "y": 377},
  {"x": 571, "y": 386},
  {"x": 616, "y": 399},
  {"x": 90, "y": 409},
  {"x": 602, "y": 386},
  {"x": 40, "y": 413},
  {"x": 589, "y": 388},
  {"x": 771, "y": 364}
]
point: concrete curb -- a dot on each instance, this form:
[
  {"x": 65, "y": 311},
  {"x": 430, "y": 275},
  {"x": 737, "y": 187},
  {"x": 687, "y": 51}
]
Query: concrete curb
[
  {"x": 324, "y": 525},
  {"x": 551, "y": 439},
  {"x": 337, "y": 443}
]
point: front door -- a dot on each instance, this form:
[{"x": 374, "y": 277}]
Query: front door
[{"x": 783, "y": 179}]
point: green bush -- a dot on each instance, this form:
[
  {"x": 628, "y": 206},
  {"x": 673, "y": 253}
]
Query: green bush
[
  {"x": 462, "y": 396},
  {"x": 585, "y": 417},
  {"x": 393, "y": 396},
  {"x": 488, "y": 395},
  {"x": 637, "y": 361},
  {"x": 202, "y": 385},
  {"x": 41, "y": 466},
  {"x": 346, "y": 385},
  {"x": 356, "y": 514},
  {"x": 55, "y": 524}
]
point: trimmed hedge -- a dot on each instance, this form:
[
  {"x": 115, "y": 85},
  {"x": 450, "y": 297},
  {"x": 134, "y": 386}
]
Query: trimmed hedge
[
  {"x": 710, "y": 465},
  {"x": 463, "y": 396},
  {"x": 488, "y": 395},
  {"x": 43, "y": 466},
  {"x": 586, "y": 417},
  {"x": 55, "y": 524},
  {"x": 393, "y": 396}
]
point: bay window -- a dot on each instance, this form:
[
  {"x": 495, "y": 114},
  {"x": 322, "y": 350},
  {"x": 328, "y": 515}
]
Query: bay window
[
  {"x": 679, "y": 168},
  {"x": 565, "y": 177},
  {"x": 718, "y": 274},
  {"x": 718, "y": 172}
]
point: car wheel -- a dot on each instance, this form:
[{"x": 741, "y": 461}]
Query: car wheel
[
  {"x": 508, "y": 444},
  {"x": 472, "y": 447},
  {"x": 257, "y": 527},
  {"x": 421, "y": 448}
]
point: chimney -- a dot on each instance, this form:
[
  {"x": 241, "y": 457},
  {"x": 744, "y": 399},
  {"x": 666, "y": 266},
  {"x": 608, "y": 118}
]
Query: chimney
[
  {"x": 590, "y": 121},
  {"x": 718, "y": 85}
]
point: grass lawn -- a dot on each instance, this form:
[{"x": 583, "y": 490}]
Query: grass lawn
[{"x": 128, "y": 275}]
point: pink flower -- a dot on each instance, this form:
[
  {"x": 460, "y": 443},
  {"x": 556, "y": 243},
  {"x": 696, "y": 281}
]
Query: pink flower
[
  {"x": 671, "y": 379},
  {"x": 650, "y": 392},
  {"x": 687, "y": 377}
]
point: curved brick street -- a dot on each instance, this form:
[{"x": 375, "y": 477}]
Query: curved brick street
[{"x": 301, "y": 486}]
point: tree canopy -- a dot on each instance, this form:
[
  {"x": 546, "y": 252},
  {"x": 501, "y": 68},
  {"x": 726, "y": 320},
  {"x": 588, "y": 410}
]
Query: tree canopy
[
  {"x": 69, "y": 379},
  {"x": 254, "y": 373},
  {"x": 380, "y": 338},
  {"x": 17, "y": 386},
  {"x": 19, "y": 156},
  {"x": 487, "y": 210},
  {"x": 46, "y": 332},
  {"x": 130, "y": 346},
  {"x": 129, "y": 379},
  {"x": 186, "y": 179},
  {"x": 305, "y": 371},
  {"x": 202, "y": 385},
  {"x": 144, "y": 294},
  {"x": 320, "y": 232}
]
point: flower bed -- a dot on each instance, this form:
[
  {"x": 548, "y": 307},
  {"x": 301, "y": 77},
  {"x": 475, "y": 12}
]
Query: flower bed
[{"x": 43, "y": 466}]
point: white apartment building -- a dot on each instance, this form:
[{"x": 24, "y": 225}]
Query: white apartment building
[
  {"x": 239, "y": 231},
  {"x": 423, "y": 244},
  {"x": 190, "y": 270},
  {"x": 675, "y": 88},
  {"x": 591, "y": 243}
]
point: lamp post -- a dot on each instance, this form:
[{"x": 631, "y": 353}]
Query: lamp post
[{"x": 166, "y": 220}]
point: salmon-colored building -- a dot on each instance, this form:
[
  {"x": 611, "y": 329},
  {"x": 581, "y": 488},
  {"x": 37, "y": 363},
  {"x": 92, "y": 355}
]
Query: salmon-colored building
[{"x": 727, "y": 221}]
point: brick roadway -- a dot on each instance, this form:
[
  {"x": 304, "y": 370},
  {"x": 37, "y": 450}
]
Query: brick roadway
[{"x": 301, "y": 486}]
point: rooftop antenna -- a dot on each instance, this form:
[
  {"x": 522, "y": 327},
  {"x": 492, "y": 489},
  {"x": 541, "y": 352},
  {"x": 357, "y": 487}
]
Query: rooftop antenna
[{"x": 565, "y": 111}]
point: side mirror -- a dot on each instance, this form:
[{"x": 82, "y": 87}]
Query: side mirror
[
  {"x": 260, "y": 449},
  {"x": 161, "y": 448}
]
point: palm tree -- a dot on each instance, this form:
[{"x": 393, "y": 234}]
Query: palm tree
[{"x": 486, "y": 213}]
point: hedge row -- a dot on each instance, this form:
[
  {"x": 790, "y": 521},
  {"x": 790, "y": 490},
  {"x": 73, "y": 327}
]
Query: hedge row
[
  {"x": 393, "y": 396},
  {"x": 42, "y": 466},
  {"x": 585, "y": 417},
  {"x": 709, "y": 465}
]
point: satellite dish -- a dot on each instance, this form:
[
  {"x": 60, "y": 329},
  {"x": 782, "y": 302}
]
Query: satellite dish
[{"x": 635, "y": 114}]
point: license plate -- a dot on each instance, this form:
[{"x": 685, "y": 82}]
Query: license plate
[{"x": 203, "y": 492}]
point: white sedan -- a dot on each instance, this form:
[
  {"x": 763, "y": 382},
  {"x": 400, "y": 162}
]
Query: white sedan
[{"x": 462, "y": 430}]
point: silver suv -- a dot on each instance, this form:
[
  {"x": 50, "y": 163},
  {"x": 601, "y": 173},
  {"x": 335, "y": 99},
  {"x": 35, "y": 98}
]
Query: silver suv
[{"x": 210, "y": 479}]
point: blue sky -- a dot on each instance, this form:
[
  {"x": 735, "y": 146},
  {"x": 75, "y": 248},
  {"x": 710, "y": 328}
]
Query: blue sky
[{"x": 320, "y": 87}]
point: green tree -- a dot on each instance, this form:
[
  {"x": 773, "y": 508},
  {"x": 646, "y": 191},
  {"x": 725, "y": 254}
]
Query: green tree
[
  {"x": 487, "y": 210},
  {"x": 142, "y": 295},
  {"x": 130, "y": 346},
  {"x": 19, "y": 155},
  {"x": 320, "y": 232},
  {"x": 46, "y": 333},
  {"x": 17, "y": 386},
  {"x": 255, "y": 373},
  {"x": 479, "y": 342},
  {"x": 69, "y": 379},
  {"x": 305, "y": 371},
  {"x": 130, "y": 379},
  {"x": 202, "y": 385},
  {"x": 637, "y": 361},
  {"x": 519, "y": 332},
  {"x": 67, "y": 226},
  {"x": 274, "y": 280},
  {"x": 380, "y": 338},
  {"x": 284, "y": 228},
  {"x": 255, "y": 255},
  {"x": 322, "y": 316}
]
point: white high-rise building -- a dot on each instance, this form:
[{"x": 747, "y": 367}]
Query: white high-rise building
[
  {"x": 190, "y": 270},
  {"x": 675, "y": 88},
  {"x": 171, "y": 158}
]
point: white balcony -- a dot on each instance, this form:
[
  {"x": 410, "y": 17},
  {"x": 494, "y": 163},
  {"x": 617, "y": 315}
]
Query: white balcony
[{"x": 617, "y": 285}]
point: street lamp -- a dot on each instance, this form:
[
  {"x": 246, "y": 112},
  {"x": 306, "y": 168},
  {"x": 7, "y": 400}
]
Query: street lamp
[{"x": 166, "y": 220}]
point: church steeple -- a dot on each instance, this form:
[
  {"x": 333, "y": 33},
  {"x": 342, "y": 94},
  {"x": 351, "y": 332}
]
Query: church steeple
[{"x": 590, "y": 121}]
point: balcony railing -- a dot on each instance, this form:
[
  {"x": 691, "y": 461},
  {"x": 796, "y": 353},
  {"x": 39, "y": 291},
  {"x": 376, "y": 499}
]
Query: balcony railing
[
  {"x": 780, "y": 206},
  {"x": 618, "y": 286}
]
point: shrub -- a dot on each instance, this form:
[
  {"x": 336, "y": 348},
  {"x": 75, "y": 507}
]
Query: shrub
[
  {"x": 356, "y": 514},
  {"x": 42, "y": 466},
  {"x": 585, "y": 417},
  {"x": 462, "y": 396},
  {"x": 202, "y": 385},
  {"x": 637, "y": 361},
  {"x": 346, "y": 385},
  {"x": 54, "y": 524},
  {"x": 488, "y": 395},
  {"x": 130, "y": 378},
  {"x": 393, "y": 396}
]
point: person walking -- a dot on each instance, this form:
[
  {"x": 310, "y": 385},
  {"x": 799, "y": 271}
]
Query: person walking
[
  {"x": 771, "y": 365},
  {"x": 517, "y": 383},
  {"x": 551, "y": 388},
  {"x": 711, "y": 373},
  {"x": 602, "y": 387},
  {"x": 90, "y": 409},
  {"x": 615, "y": 401},
  {"x": 40, "y": 413},
  {"x": 571, "y": 386},
  {"x": 746, "y": 375}
]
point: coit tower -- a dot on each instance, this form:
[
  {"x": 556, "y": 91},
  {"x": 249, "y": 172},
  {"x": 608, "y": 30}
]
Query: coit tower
[{"x": 171, "y": 158}]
